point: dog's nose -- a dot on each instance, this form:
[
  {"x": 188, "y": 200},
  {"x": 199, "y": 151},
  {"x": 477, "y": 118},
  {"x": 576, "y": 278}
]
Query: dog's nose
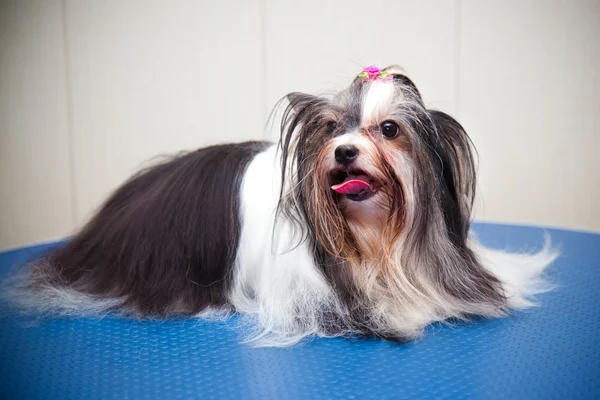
[{"x": 345, "y": 154}]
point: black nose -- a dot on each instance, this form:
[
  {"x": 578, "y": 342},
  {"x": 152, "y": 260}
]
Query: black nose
[{"x": 345, "y": 154}]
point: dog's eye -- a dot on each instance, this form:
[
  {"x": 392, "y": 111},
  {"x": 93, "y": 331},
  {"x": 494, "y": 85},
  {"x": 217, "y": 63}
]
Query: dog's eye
[
  {"x": 390, "y": 129},
  {"x": 331, "y": 126}
]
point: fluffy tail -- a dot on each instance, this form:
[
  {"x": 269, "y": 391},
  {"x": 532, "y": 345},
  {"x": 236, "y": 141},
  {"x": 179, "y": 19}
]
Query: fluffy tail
[
  {"x": 522, "y": 274},
  {"x": 37, "y": 289}
]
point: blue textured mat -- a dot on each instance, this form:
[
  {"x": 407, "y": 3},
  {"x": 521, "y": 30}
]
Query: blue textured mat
[{"x": 552, "y": 351}]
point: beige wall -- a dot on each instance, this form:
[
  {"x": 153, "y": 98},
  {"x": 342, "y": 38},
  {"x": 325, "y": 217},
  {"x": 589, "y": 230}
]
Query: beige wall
[{"x": 90, "y": 90}]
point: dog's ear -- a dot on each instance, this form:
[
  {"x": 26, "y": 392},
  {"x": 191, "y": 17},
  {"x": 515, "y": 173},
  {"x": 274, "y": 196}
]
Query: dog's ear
[
  {"x": 304, "y": 115},
  {"x": 400, "y": 77},
  {"x": 456, "y": 152},
  {"x": 299, "y": 109},
  {"x": 406, "y": 81},
  {"x": 299, "y": 100},
  {"x": 303, "y": 109},
  {"x": 295, "y": 97}
]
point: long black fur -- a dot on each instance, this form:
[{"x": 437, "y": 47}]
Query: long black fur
[{"x": 166, "y": 240}]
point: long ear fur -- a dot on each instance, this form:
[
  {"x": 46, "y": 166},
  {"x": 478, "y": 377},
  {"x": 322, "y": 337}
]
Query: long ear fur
[
  {"x": 437, "y": 243},
  {"x": 304, "y": 115},
  {"x": 454, "y": 147}
]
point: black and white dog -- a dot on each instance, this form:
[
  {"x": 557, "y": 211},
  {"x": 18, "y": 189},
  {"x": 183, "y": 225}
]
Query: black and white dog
[{"x": 357, "y": 222}]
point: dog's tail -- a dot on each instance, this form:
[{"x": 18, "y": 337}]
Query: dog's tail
[
  {"x": 39, "y": 289},
  {"x": 523, "y": 275}
]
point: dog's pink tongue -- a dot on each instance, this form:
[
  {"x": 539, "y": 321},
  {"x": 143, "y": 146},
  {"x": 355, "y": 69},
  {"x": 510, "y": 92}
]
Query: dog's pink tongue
[{"x": 353, "y": 186}]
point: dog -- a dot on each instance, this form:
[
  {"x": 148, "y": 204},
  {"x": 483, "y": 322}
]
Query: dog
[{"x": 356, "y": 223}]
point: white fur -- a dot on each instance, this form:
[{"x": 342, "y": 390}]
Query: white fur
[
  {"x": 522, "y": 274},
  {"x": 51, "y": 299},
  {"x": 377, "y": 98},
  {"x": 276, "y": 281}
]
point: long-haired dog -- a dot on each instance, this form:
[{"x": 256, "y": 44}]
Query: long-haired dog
[{"x": 356, "y": 223}]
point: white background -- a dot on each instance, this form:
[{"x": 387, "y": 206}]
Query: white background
[{"x": 90, "y": 90}]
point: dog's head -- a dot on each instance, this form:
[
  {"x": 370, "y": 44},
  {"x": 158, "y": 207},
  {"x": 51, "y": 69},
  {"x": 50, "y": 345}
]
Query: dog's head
[{"x": 372, "y": 165}]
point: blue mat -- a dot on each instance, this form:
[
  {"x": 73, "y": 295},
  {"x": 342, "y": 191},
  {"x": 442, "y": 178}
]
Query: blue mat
[{"x": 552, "y": 351}]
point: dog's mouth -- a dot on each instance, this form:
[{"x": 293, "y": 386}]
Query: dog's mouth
[{"x": 354, "y": 184}]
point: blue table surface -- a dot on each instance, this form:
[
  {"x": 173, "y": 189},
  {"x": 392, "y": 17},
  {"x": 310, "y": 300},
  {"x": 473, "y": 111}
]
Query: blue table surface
[{"x": 552, "y": 351}]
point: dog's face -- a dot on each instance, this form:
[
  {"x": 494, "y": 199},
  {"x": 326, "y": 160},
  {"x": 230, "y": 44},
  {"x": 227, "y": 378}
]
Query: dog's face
[
  {"x": 372, "y": 165},
  {"x": 363, "y": 165}
]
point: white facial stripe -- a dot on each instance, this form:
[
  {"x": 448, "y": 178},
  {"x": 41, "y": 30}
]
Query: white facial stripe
[
  {"x": 378, "y": 93},
  {"x": 347, "y": 138}
]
